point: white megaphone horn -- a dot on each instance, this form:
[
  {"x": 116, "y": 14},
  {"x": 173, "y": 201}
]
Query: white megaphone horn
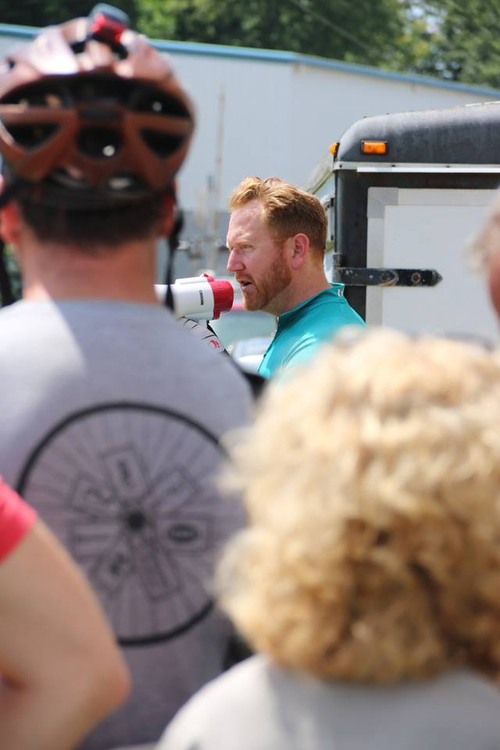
[{"x": 199, "y": 297}]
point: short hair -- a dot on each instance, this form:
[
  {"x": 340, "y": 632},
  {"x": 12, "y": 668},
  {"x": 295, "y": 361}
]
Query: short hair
[
  {"x": 288, "y": 210},
  {"x": 372, "y": 487},
  {"x": 92, "y": 228}
]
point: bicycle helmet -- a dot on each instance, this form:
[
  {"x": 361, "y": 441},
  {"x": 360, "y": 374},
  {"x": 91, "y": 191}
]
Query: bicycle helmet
[{"x": 90, "y": 109}]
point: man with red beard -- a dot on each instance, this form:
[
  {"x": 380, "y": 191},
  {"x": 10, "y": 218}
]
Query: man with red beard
[{"x": 276, "y": 241}]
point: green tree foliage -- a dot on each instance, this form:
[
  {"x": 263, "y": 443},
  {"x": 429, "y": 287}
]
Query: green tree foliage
[
  {"x": 464, "y": 40},
  {"x": 365, "y": 31},
  {"x": 45, "y": 12},
  {"x": 451, "y": 39}
]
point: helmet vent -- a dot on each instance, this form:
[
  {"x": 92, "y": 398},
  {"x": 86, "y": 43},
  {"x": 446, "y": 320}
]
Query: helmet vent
[
  {"x": 31, "y": 136},
  {"x": 99, "y": 143},
  {"x": 160, "y": 104},
  {"x": 78, "y": 47},
  {"x": 162, "y": 144}
]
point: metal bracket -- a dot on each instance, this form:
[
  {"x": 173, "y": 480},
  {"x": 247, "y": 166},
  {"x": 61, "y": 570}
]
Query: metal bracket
[{"x": 386, "y": 276}]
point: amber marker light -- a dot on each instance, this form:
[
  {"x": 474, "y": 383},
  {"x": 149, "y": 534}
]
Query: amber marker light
[
  {"x": 374, "y": 147},
  {"x": 334, "y": 147}
]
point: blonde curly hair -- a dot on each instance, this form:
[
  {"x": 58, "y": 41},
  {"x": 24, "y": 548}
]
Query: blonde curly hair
[{"x": 372, "y": 486}]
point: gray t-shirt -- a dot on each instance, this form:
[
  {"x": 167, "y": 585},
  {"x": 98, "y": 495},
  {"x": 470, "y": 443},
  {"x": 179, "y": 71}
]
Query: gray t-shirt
[
  {"x": 257, "y": 706},
  {"x": 111, "y": 419}
]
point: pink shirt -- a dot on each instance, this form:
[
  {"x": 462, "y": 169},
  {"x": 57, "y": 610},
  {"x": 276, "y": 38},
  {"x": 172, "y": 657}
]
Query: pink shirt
[{"x": 16, "y": 518}]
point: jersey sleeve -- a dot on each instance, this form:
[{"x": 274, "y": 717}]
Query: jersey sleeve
[
  {"x": 301, "y": 351},
  {"x": 203, "y": 332},
  {"x": 16, "y": 519}
]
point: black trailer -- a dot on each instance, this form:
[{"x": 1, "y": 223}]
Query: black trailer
[{"x": 404, "y": 192}]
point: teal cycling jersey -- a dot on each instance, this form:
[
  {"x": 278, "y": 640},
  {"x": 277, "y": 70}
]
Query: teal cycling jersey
[{"x": 301, "y": 331}]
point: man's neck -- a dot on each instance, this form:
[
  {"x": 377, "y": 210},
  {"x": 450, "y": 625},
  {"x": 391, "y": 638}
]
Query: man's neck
[
  {"x": 307, "y": 287},
  {"x": 126, "y": 273}
]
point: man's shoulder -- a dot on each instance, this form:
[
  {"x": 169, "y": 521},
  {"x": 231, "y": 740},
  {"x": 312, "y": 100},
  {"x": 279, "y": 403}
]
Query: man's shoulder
[
  {"x": 311, "y": 326},
  {"x": 204, "y": 721},
  {"x": 12, "y": 312},
  {"x": 122, "y": 339},
  {"x": 324, "y": 314},
  {"x": 15, "y": 320}
]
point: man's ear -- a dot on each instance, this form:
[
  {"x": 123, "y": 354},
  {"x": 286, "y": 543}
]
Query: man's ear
[
  {"x": 10, "y": 224},
  {"x": 298, "y": 251},
  {"x": 167, "y": 218}
]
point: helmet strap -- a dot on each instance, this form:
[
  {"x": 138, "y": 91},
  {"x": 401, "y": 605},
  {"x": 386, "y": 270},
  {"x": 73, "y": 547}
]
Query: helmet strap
[
  {"x": 6, "y": 292},
  {"x": 173, "y": 244},
  {"x": 11, "y": 189}
]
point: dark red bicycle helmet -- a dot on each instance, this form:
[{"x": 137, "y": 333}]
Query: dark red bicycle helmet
[{"x": 93, "y": 111}]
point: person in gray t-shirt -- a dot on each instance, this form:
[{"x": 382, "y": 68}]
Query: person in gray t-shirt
[
  {"x": 368, "y": 580},
  {"x": 112, "y": 413}
]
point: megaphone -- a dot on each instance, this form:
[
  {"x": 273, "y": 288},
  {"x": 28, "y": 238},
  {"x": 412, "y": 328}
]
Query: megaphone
[{"x": 199, "y": 297}]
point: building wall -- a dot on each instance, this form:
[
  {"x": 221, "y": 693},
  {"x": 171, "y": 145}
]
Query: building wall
[{"x": 244, "y": 114}]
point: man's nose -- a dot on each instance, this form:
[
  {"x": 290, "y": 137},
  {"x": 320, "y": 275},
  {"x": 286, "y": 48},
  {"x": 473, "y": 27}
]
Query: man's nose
[{"x": 234, "y": 262}]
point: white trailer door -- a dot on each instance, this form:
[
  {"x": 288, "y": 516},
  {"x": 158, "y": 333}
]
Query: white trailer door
[{"x": 415, "y": 228}]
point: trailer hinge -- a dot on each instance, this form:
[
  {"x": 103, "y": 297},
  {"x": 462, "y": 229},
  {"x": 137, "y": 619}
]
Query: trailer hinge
[{"x": 386, "y": 276}]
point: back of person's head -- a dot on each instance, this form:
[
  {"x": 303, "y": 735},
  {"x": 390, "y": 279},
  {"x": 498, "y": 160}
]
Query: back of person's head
[
  {"x": 93, "y": 128},
  {"x": 287, "y": 210},
  {"x": 372, "y": 486}
]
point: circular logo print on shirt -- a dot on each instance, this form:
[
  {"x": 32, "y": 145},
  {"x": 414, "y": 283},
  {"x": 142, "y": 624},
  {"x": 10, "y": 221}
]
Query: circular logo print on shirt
[{"x": 129, "y": 490}]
